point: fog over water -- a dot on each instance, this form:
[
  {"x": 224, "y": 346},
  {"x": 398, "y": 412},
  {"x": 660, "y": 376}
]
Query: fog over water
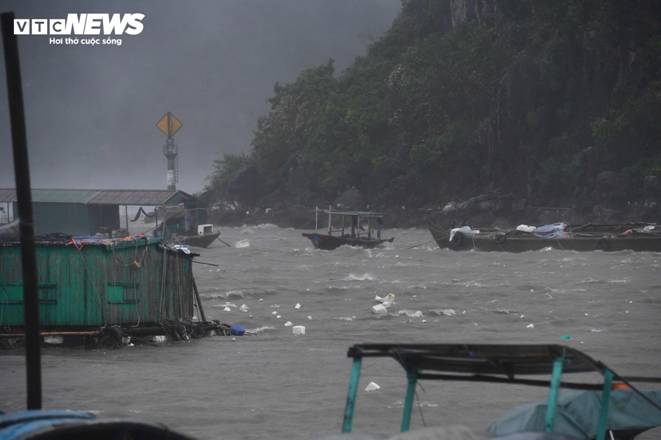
[
  {"x": 91, "y": 111},
  {"x": 281, "y": 386}
]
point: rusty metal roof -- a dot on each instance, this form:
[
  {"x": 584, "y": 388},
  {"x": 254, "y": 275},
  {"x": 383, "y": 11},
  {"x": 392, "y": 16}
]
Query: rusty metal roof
[{"x": 149, "y": 197}]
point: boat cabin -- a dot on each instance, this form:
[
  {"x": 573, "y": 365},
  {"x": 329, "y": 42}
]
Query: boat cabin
[{"x": 352, "y": 224}]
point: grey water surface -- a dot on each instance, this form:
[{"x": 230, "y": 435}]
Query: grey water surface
[{"x": 281, "y": 386}]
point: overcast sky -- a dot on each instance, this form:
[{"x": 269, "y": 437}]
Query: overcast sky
[{"x": 91, "y": 110}]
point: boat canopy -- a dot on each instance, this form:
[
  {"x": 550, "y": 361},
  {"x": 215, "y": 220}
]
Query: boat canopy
[
  {"x": 361, "y": 214},
  {"x": 426, "y": 360},
  {"x": 492, "y": 363}
]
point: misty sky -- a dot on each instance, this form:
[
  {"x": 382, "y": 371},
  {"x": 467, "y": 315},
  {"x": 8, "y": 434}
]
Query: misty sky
[{"x": 91, "y": 110}]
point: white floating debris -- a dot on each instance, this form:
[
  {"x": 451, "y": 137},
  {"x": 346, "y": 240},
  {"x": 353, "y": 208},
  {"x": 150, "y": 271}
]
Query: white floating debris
[
  {"x": 387, "y": 300},
  {"x": 159, "y": 339},
  {"x": 424, "y": 321},
  {"x": 242, "y": 243},
  {"x": 446, "y": 312},
  {"x": 288, "y": 324},
  {"x": 278, "y": 316},
  {"x": 297, "y": 306},
  {"x": 261, "y": 299},
  {"x": 243, "y": 308},
  {"x": 227, "y": 309},
  {"x": 298, "y": 330},
  {"x": 379, "y": 309},
  {"x": 309, "y": 318},
  {"x": 274, "y": 313},
  {"x": 372, "y": 386},
  {"x": 531, "y": 325}
]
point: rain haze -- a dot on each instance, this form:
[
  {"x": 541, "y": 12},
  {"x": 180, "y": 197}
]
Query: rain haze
[
  {"x": 91, "y": 111},
  {"x": 467, "y": 172}
]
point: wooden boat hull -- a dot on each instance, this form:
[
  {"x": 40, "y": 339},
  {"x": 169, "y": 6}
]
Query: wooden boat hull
[
  {"x": 329, "y": 242},
  {"x": 501, "y": 242},
  {"x": 202, "y": 241}
]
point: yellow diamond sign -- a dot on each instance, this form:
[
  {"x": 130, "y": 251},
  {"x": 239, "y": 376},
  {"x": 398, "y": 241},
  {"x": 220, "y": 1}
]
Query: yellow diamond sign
[{"x": 169, "y": 124}]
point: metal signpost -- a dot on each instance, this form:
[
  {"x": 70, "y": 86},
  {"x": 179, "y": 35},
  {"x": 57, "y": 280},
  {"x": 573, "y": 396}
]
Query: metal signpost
[{"x": 169, "y": 125}]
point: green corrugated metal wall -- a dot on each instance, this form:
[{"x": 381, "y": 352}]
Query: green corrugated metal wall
[{"x": 99, "y": 285}]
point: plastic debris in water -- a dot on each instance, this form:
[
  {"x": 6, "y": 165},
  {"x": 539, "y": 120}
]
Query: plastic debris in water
[
  {"x": 309, "y": 318},
  {"x": 237, "y": 330},
  {"x": 531, "y": 325},
  {"x": 379, "y": 309},
  {"x": 298, "y": 330},
  {"x": 242, "y": 243},
  {"x": 387, "y": 300},
  {"x": 411, "y": 313},
  {"x": 227, "y": 309},
  {"x": 288, "y": 324},
  {"x": 297, "y": 306},
  {"x": 243, "y": 308},
  {"x": 372, "y": 386}
]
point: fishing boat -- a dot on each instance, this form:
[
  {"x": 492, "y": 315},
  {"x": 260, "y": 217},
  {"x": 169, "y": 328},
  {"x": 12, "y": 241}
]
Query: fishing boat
[
  {"x": 587, "y": 237},
  {"x": 180, "y": 225},
  {"x": 204, "y": 237},
  {"x": 352, "y": 228},
  {"x": 612, "y": 409}
]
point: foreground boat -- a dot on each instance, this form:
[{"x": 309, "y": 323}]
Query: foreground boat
[
  {"x": 356, "y": 228},
  {"x": 615, "y": 407},
  {"x": 635, "y": 237}
]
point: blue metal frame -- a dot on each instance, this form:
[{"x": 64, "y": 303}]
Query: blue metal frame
[
  {"x": 411, "y": 381},
  {"x": 551, "y": 405},
  {"x": 605, "y": 401},
  {"x": 351, "y": 396}
]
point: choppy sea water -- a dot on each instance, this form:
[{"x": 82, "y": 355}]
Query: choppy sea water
[{"x": 277, "y": 385}]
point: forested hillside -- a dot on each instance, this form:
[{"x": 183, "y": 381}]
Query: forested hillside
[{"x": 555, "y": 102}]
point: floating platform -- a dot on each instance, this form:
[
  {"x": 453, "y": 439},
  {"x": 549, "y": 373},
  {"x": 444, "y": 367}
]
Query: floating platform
[{"x": 104, "y": 288}]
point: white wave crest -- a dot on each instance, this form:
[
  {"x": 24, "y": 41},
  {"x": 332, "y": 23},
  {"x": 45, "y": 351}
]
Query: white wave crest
[{"x": 361, "y": 277}]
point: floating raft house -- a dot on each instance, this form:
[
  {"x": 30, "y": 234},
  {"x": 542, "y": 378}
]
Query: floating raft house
[{"x": 88, "y": 283}]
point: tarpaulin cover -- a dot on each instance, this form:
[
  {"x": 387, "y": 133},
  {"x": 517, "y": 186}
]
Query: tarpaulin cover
[
  {"x": 554, "y": 230},
  {"x": 578, "y": 413}
]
